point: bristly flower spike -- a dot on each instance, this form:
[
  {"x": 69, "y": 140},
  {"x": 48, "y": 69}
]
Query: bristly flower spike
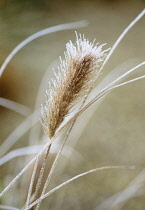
[{"x": 75, "y": 77}]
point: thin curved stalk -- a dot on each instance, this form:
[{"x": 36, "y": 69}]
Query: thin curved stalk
[
  {"x": 122, "y": 36},
  {"x": 54, "y": 164},
  {"x": 8, "y": 207},
  {"x": 38, "y": 185},
  {"x": 23, "y": 170},
  {"x": 97, "y": 97},
  {"x": 32, "y": 181},
  {"x": 39, "y": 177},
  {"x": 41, "y": 33},
  {"x": 76, "y": 177},
  {"x": 31, "y": 150},
  {"x": 127, "y": 82},
  {"x": 14, "y": 106}
]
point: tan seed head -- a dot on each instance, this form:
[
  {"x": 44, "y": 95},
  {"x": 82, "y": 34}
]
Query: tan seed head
[{"x": 75, "y": 77}]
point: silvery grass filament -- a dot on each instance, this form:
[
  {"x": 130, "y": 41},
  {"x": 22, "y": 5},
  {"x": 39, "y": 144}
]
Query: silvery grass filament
[
  {"x": 76, "y": 75},
  {"x": 61, "y": 27}
]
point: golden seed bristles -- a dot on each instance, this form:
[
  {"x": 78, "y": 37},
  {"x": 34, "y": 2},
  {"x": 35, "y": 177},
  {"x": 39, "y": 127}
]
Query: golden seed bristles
[{"x": 75, "y": 77}]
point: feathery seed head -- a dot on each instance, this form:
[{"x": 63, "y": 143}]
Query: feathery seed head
[{"x": 75, "y": 77}]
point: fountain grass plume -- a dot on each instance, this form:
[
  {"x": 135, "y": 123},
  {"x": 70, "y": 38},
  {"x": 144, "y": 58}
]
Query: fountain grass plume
[{"x": 75, "y": 77}]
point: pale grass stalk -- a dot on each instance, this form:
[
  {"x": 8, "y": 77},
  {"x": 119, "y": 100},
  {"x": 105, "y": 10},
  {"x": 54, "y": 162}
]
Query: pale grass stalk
[
  {"x": 122, "y": 36},
  {"x": 98, "y": 96},
  {"x": 129, "y": 81},
  {"x": 17, "y": 133},
  {"x": 108, "y": 87},
  {"x": 32, "y": 180},
  {"x": 66, "y": 26},
  {"x": 76, "y": 177},
  {"x": 39, "y": 177},
  {"x": 54, "y": 164},
  {"x": 38, "y": 185},
  {"x": 39, "y": 182},
  {"x": 30, "y": 150},
  {"x": 114, "y": 74},
  {"x": 34, "y": 174},
  {"x": 8, "y": 207},
  {"x": 24, "y": 169},
  {"x": 14, "y": 106},
  {"x": 43, "y": 168}
]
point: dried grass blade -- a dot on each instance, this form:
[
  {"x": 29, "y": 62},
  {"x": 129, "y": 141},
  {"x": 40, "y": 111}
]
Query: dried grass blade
[{"x": 76, "y": 177}]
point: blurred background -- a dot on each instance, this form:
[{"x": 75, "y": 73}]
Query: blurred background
[{"x": 109, "y": 133}]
